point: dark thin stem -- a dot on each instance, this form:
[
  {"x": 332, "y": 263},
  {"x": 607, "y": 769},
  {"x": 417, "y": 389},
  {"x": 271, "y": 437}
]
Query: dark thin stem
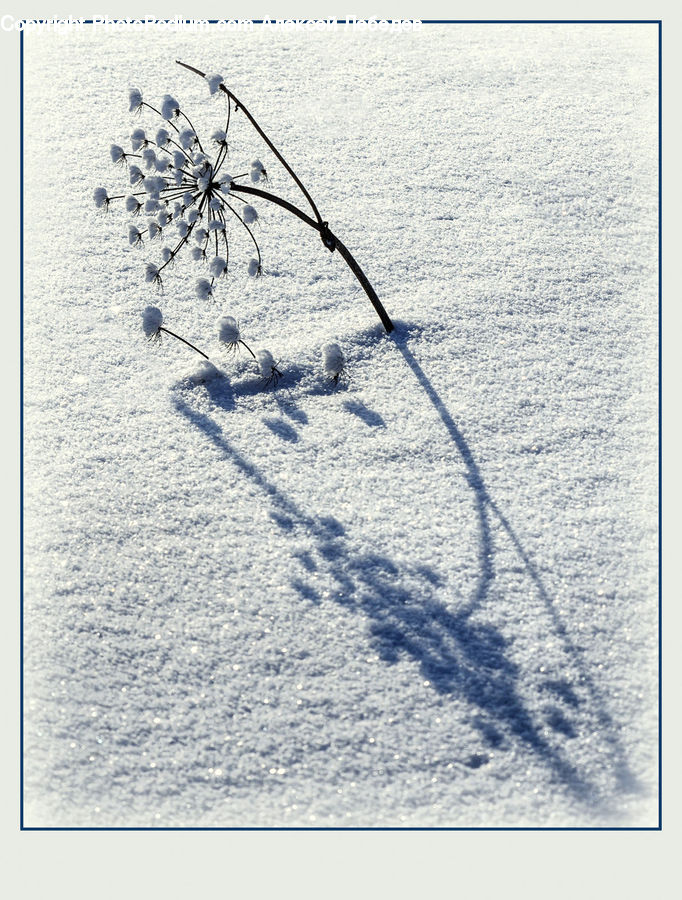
[
  {"x": 154, "y": 109},
  {"x": 248, "y": 348},
  {"x": 240, "y": 105},
  {"x": 173, "y": 334},
  {"x": 186, "y": 117}
]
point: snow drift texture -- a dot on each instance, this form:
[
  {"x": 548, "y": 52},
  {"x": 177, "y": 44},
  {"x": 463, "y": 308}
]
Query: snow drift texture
[{"x": 426, "y": 597}]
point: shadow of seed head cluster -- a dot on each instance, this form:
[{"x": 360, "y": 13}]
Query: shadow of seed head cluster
[{"x": 455, "y": 651}]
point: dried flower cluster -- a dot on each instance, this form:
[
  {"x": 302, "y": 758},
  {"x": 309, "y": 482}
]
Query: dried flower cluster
[{"x": 183, "y": 192}]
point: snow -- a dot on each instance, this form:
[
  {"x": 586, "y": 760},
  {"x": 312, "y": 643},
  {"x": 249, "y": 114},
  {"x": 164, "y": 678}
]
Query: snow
[{"x": 424, "y": 597}]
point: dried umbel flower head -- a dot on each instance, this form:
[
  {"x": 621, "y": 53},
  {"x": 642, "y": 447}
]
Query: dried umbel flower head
[
  {"x": 268, "y": 367},
  {"x": 152, "y": 320},
  {"x": 135, "y": 98},
  {"x": 101, "y": 198},
  {"x": 250, "y": 214},
  {"x": 333, "y": 362},
  {"x": 214, "y": 82},
  {"x": 170, "y": 108},
  {"x": 217, "y": 267},
  {"x": 203, "y": 288},
  {"x": 228, "y": 332}
]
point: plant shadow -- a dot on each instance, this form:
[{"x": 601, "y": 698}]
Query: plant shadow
[{"x": 457, "y": 654}]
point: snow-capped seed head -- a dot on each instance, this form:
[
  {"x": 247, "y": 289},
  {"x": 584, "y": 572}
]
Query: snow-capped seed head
[
  {"x": 204, "y": 182},
  {"x": 149, "y": 157},
  {"x": 200, "y": 235},
  {"x": 214, "y": 82},
  {"x": 204, "y": 372},
  {"x": 151, "y": 206},
  {"x": 188, "y": 198},
  {"x": 152, "y": 320},
  {"x": 138, "y": 138},
  {"x": 179, "y": 159},
  {"x": 162, "y": 163},
  {"x": 162, "y": 137},
  {"x": 135, "y": 99},
  {"x": 170, "y": 108},
  {"x": 151, "y": 273},
  {"x": 101, "y": 198},
  {"x": 333, "y": 361},
  {"x": 225, "y": 180},
  {"x": 134, "y": 235},
  {"x": 117, "y": 154},
  {"x": 136, "y": 175},
  {"x": 214, "y": 203},
  {"x": 187, "y": 138},
  {"x": 203, "y": 289},
  {"x": 153, "y": 230},
  {"x": 216, "y": 225},
  {"x": 178, "y": 209},
  {"x": 228, "y": 331},
  {"x": 219, "y": 136},
  {"x": 217, "y": 266},
  {"x": 153, "y": 185},
  {"x": 177, "y": 177},
  {"x": 250, "y": 214},
  {"x": 254, "y": 268},
  {"x": 266, "y": 362},
  {"x": 163, "y": 218},
  {"x": 166, "y": 254},
  {"x": 192, "y": 215},
  {"x": 258, "y": 171},
  {"x": 200, "y": 159},
  {"x": 198, "y": 253},
  {"x": 132, "y": 204},
  {"x": 183, "y": 228}
]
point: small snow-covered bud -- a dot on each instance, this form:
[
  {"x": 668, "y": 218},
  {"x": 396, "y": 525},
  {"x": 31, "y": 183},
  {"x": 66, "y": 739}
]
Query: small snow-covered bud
[
  {"x": 117, "y": 153},
  {"x": 198, "y": 253},
  {"x": 151, "y": 206},
  {"x": 166, "y": 254},
  {"x": 170, "y": 108},
  {"x": 200, "y": 159},
  {"x": 135, "y": 98},
  {"x": 179, "y": 159},
  {"x": 192, "y": 215},
  {"x": 333, "y": 361},
  {"x": 187, "y": 138},
  {"x": 228, "y": 331},
  {"x": 163, "y": 218},
  {"x": 266, "y": 362},
  {"x": 203, "y": 289},
  {"x": 134, "y": 235},
  {"x": 258, "y": 171},
  {"x": 219, "y": 136},
  {"x": 225, "y": 181},
  {"x": 250, "y": 214},
  {"x": 153, "y": 185},
  {"x": 162, "y": 137},
  {"x": 214, "y": 82},
  {"x": 136, "y": 175},
  {"x": 138, "y": 138},
  {"x": 177, "y": 177},
  {"x": 133, "y": 204},
  {"x": 152, "y": 320},
  {"x": 254, "y": 267},
  {"x": 101, "y": 198},
  {"x": 215, "y": 203},
  {"x": 216, "y": 225},
  {"x": 200, "y": 235},
  {"x": 149, "y": 157},
  {"x": 153, "y": 230},
  {"x": 204, "y": 372},
  {"x": 178, "y": 209},
  {"x": 152, "y": 273},
  {"x": 188, "y": 198},
  {"x": 217, "y": 266},
  {"x": 183, "y": 228},
  {"x": 162, "y": 163},
  {"x": 204, "y": 182}
]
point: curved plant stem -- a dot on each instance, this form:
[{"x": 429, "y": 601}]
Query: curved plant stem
[
  {"x": 329, "y": 239},
  {"x": 173, "y": 334}
]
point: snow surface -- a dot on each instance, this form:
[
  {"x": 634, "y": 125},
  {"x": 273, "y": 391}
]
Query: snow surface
[{"x": 427, "y": 597}]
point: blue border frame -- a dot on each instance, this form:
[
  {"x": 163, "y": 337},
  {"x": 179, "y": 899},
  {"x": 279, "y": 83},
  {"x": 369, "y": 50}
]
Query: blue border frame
[{"x": 658, "y": 827}]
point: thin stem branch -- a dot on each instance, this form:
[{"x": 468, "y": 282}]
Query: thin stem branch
[{"x": 177, "y": 336}]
